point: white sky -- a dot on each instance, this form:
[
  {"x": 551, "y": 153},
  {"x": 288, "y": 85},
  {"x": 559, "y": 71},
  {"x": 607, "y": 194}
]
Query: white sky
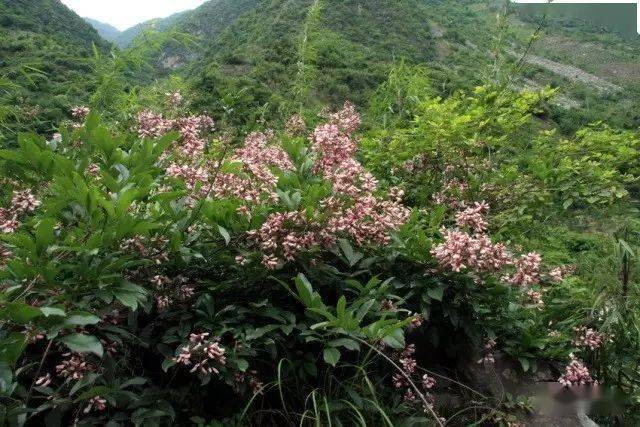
[{"x": 123, "y": 14}]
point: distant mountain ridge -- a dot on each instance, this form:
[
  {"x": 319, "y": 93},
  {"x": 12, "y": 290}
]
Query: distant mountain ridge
[
  {"x": 204, "y": 21},
  {"x": 106, "y": 31}
]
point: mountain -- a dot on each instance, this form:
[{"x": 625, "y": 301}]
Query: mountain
[
  {"x": 45, "y": 49},
  {"x": 255, "y": 54},
  {"x": 274, "y": 56},
  {"x": 205, "y": 22},
  {"x": 125, "y": 37},
  {"x": 106, "y": 31}
]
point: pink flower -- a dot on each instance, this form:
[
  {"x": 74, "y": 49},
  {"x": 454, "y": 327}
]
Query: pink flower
[
  {"x": 205, "y": 355},
  {"x": 535, "y": 297},
  {"x": 93, "y": 169},
  {"x": 5, "y": 255},
  {"x": 74, "y": 366},
  {"x": 24, "y": 201},
  {"x": 576, "y": 374},
  {"x": 461, "y": 251},
  {"x": 174, "y": 99},
  {"x": 295, "y": 126},
  {"x": 428, "y": 382},
  {"x": 80, "y": 112},
  {"x": 473, "y": 217},
  {"x": 527, "y": 270},
  {"x": 96, "y": 404},
  {"x": 488, "y": 358},
  {"x": 270, "y": 261},
  {"x": 588, "y": 337},
  {"x": 8, "y": 223},
  {"x": 44, "y": 381},
  {"x": 347, "y": 119}
]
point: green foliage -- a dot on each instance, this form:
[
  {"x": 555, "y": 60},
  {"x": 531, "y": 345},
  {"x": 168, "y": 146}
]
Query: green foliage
[
  {"x": 325, "y": 336},
  {"x": 45, "y": 50}
]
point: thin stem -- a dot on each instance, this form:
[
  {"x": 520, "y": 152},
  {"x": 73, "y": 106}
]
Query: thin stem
[
  {"x": 404, "y": 374},
  {"x": 44, "y": 357}
]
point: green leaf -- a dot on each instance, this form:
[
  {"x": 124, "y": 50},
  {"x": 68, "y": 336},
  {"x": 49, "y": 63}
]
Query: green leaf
[
  {"x": 436, "y": 293},
  {"x": 133, "y": 381},
  {"x": 130, "y": 295},
  {"x": 12, "y": 347},
  {"x": 305, "y": 291},
  {"x": 44, "y": 234},
  {"x": 341, "y": 308},
  {"x": 395, "y": 339},
  {"x": 243, "y": 365},
  {"x": 81, "y": 318},
  {"x": 352, "y": 256},
  {"x": 331, "y": 355},
  {"x": 167, "y": 363},
  {"x": 21, "y": 313},
  {"x": 52, "y": 311},
  {"x": 224, "y": 233},
  {"x": 82, "y": 343},
  {"x": 524, "y": 363},
  {"x": 347, "y": 343}
]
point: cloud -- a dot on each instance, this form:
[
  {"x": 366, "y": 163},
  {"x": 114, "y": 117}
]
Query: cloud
[{"x": 123, "y": 14}]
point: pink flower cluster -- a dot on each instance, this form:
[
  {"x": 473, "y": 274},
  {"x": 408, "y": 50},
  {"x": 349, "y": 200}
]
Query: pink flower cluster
[
  {"x": 254, "y": 182},
  {"x": 278, "y": 231},
  {"x": 22, "y": 202},
  {"x": 249, "y": 378},
  {"x": 473, "y": 217},
  {"x": 576, "y": 374},
  {"x": 192, "y": 144},
  {"x": 461, "y": 250},
  {"x": 488, "y": 358},
  {"x": 335, "y": 149},
  {"x": 588, "y": 337},
  {"x": 204, "y": 356},
  {"x": 168, "y": 291},
  {"x": 450, "y": 195},
  {"x": 5, "y": 255},
  {"x": 527, "y": 270},
  {"x": 369, "y": 220},
  {"x": 96, "y": 403},
  {"x": 558, "y": 274},
  {"x": 74, "y": 366},
  {"x": 295, "y": 126},
  {"x": 93, "y": 170},
  {"x": 154, "y": 248},
  {"x": 352, "y": 211},
  {"x": 174, "y": 99},
  {"x": 80, "y": 112},
  {"x": 409, "y": 367},
  {"x": 535, "y": 298}
]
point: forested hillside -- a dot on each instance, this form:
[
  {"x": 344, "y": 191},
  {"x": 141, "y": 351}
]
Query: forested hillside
[
  {"x": 44, "y": 49},
  {"x": 318, "y": 212}
]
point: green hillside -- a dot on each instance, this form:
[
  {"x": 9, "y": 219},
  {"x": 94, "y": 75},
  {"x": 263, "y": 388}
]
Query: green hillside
[
  {"x": 309, "y": 52},
  {"x": 318, "y": 213},
  {"x": 44, "y": 49},
  {"x": 316, "y": 52}
]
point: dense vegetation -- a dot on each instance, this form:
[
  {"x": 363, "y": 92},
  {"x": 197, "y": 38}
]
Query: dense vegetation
[
  {"x": 45, "y": 52},
  {"x": 221, "y": 237}
]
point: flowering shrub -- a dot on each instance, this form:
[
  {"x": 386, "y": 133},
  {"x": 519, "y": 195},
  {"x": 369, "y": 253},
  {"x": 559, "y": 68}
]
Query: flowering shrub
[{"x": 142, "y": 269}]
